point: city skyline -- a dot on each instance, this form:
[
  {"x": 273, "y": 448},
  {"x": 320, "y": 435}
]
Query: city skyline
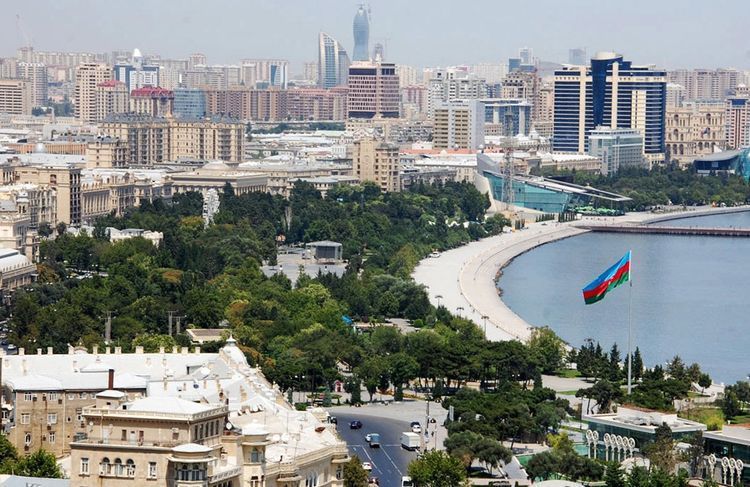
[{"x": 668, "y": 37}]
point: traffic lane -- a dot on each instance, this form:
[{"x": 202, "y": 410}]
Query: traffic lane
[{"x": 390, "y": 461}]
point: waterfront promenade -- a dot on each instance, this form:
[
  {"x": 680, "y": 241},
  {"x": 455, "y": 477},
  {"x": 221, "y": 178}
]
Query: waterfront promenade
[{"x": 463, "y": 279}]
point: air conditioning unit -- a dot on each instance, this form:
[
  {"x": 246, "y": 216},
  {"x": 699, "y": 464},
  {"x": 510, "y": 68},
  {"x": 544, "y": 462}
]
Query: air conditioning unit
[
  {"x": 59, "y": 401},
  {"x": 33, "y": 399},
  {"x": 49, "y": 426}
]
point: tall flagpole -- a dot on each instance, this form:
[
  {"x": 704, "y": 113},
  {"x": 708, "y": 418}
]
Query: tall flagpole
[{"x": 630, "y": 326}]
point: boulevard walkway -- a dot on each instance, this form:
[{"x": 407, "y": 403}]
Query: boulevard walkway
[{"x": 463, "y": 279}]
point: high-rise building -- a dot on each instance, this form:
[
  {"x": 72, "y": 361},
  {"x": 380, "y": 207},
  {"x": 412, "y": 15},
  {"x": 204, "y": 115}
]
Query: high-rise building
[
  {"x": 527, "y": 55},
  {"x": 378, "y": 52},
  {"x": 189, "y": 103},
  {"x": 169, "y": 77},
  {"x": 311, "y": 73},
  {"x": 112, "y": 97},
  {"x": 153, "y": 140},
  {"x": 135, "y": 74},
  {"x": 705, "y": 84},
  {"x": 376, "y": 161},
  {"x": 618, "y": 148},
  {"x": 333, "y": 62},
  {"x": 272, "y": 72},
  {"x": 373, "y": 90},
  {"x": 675, "y": 95},
  {"x": 88, "y": 78},
  {"x": 407, "y": 75},
  {"x": 577, "y": 56},
  {"x": 458, "y": 124},
  {"x": 36, "y": 75},
  {"x": 507, "y": 117},
  {"x": 196, "y": 59},
  {"x": 491, "y": 73},
  {"x": 454, "y": 83},
  {"x": 737, "y": 122},
  {"x": 155, "y": 102},
  {"x": 15, "y": 97},
  {"x": 8, "y": 68},
  {"x": 614, "y": 93},
  {"x": 361, "y": 28}
]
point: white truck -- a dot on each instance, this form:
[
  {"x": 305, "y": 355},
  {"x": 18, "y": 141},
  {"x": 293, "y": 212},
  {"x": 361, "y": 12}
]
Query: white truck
[{"x": 410, "y": 441}]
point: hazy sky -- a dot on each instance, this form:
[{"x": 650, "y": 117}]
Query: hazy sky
[{"x": 669, "y": 33}]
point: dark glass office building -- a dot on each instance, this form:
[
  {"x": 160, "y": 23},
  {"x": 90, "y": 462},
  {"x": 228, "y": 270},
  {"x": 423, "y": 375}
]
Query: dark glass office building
[{"x": 610, "y": 92}]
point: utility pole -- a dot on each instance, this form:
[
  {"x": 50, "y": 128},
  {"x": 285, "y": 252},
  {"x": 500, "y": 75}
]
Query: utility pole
[{"x": 171, "y": 315}]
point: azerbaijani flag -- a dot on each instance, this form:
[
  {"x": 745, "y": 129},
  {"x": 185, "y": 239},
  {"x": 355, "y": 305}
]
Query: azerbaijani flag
[{"x": 610, "y": 279}]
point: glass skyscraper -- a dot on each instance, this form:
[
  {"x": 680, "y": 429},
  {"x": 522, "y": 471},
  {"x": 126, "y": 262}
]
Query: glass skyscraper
[
  {"x": 610, "y": 92},
  {"x": 361, "y": 30},
  {"x": 189, "y": 103},
  {"x": 333, "y": 62}
]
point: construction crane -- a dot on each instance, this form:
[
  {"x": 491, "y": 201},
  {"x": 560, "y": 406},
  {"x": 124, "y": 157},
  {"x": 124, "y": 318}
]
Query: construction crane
[{"x": 22, "y": 32}]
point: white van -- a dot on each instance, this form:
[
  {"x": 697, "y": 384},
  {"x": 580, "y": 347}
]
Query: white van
[{"x": 406, "y": 482}]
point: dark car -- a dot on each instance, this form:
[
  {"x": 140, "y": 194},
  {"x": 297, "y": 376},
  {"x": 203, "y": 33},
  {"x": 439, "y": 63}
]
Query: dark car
[
  {"x": 355, "y": 425},
  {"x": 333, "y": 420}
]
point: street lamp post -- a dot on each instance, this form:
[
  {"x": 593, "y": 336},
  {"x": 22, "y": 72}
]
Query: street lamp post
[
  {"x": 459, "y": 310},
  {"x": 484, "y": 320},
  {"x": 439, "y": 297}
]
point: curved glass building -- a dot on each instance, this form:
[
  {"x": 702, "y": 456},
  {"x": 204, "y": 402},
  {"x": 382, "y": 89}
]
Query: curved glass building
[{"x": 361, "y": 29}]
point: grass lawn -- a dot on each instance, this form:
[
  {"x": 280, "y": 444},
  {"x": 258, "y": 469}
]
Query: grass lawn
[
  {"x": 568, "y": 373},
  {"x": 568, "y": 393},
  {"x": 713, "y": 418}
]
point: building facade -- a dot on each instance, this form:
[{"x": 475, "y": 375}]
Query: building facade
[
  {"x": 376, "y": 161},
  {"x": 36, "y": 75},
  {"x": 88, "y": 78},
  {"x": 333, "y": 62},
  {"x": 373, "y": 91},
  {"x": 15, "y": 97},
  {"x": 737, "y": 122},
  {"x": 611, "y": 92},
  {"x": 458, "y": 124},
  {"x": 617, "y": 149},
  {"x": 694, "y": 130},
  {"x": 189, "y": 103},
  {"x": 112, "y": 97}
]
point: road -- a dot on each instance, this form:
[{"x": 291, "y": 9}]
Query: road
[{"x": 390, "y": 461}]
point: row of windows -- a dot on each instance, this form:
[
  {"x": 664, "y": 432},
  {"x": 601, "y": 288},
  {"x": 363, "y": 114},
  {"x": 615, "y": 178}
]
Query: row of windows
[
  {"x": 117, "y": 468},
  {"x": 54, "y": 396},
  {"x": 50, "y": 437}
]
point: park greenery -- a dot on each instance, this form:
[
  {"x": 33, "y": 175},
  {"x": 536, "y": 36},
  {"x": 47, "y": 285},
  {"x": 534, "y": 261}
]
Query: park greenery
[
  {"x": 40, "y": 463},
  {"x": 654, "y": 388},
  {"x": 438, "y": 469},
  {"x": 666, "y": 185},
  {"x": 212, "y": 276}
]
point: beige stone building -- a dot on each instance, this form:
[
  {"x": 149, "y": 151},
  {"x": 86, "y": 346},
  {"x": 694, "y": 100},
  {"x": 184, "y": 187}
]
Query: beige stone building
[
  {"x": 64, "y": 179},
  {"x": 376, "y": 161},
  {"x": 152, "y": 140},
  {"x": 112, "y": 97},
  {"x": 169, "y": 418},
  {"x": 88, "y": 78},
  {"x": 281, "y": 177},
  {"x": 15, "y": 97},
  {"x": 106, "y": 152},
  {"x": 458, "y": 124},
  {"x": 693, "y": 131},
  {"x": 152, "y": 101},
  {"x": 215, "y": 175}
]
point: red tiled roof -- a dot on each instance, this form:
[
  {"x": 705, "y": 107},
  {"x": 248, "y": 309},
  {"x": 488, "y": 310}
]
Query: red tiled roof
[
  {"x": 150, "y": 91},
  {"x": 111, "y": 83}
]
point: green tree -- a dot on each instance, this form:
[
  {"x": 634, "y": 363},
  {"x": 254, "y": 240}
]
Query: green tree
[
  {"x": 548, "y": 349},
  {"x": 613, "y": 476},
  {"x": 604, "y": 393},
  {"x": 41, "y": 463},
  {"x": 661, "y": 452},
  {"x": 354, "y": 474},
  {"x": 731, "y": 405},
  {"x": 437, "y": 469}
]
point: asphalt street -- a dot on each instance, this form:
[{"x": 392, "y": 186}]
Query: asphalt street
[{"x": 390, "y": 461}]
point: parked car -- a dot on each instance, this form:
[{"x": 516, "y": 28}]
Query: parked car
[
  {"x": 416, "y": 427},
  {"x": 333, "y": 420},
  {"x": 406, "y": 482},
  {"x": 355, "y": 425}
]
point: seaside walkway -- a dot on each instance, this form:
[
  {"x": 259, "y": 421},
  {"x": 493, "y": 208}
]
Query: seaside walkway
[{"x": 463, "y": 279}]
